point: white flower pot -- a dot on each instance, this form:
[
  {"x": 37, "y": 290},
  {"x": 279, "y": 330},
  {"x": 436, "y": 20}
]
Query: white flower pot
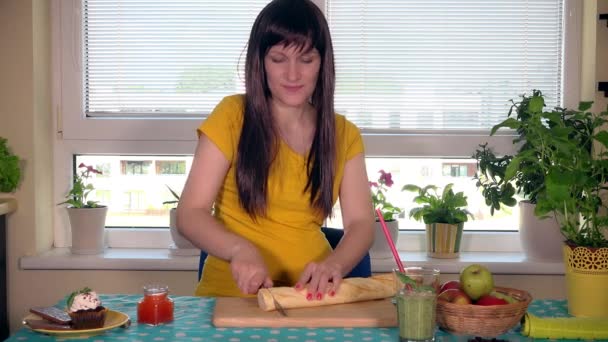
[
  {"x": 541, "y": 239},
  {"x": 88, "y": 229},
  {"x": 178, "y": 239},
  {"x": 380, "y": 248}
]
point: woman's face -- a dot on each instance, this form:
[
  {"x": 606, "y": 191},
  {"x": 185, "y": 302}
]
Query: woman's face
[{"x": 291, "y": 74}]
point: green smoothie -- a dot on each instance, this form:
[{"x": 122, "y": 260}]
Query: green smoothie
[{"x": 416, "y": 314}]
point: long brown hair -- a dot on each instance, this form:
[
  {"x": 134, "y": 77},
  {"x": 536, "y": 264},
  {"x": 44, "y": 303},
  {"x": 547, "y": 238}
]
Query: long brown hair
[{"x": 289, "y": 22}]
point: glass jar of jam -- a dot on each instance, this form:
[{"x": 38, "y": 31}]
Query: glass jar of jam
[{"x": 155, "y": 307}]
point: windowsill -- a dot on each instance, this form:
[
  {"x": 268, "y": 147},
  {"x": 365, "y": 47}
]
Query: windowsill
[{"x": 160, "y": 259}]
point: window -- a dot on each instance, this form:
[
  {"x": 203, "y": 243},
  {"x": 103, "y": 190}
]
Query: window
[
  {"x": 170, "y": 167},
  {"x": 423, "y": 79}
]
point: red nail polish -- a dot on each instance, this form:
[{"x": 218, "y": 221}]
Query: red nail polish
[
  {"x": 319, "y": 296},
  {"x": 332, "y": 293},
  {"x": 298, "y": 286},
  {"x": 309, "y": 296}
]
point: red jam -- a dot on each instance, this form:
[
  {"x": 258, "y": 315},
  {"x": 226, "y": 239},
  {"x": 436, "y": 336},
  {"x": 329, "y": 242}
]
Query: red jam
[{"x": 155, "y": 307}]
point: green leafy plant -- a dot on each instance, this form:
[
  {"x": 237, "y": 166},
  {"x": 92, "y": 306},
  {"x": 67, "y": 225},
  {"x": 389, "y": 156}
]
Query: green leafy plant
[
  {"x": 449, "y": 207},
  {"x": 175, "y": 195},
  {"x": 10, "y": 171},
  {"x": 378, "y": 190},
  {"x": 412, "y": 284},
  {"x": 569, "y": 149},
  {"x": 77, "y": 196},
  {"x": 73, "y": 295},
  {"x": 527, "y": 179}
]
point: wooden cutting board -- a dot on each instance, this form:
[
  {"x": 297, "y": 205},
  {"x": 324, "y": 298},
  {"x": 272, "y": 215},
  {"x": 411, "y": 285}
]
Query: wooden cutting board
[{"x": 244, "y": 312}]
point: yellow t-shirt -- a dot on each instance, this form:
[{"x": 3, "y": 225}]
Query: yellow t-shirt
[{"x": 289, "y": 236}]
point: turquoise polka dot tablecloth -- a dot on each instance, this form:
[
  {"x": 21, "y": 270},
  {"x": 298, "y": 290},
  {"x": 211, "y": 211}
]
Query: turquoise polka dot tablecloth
[{"x": 193, "y": 323}]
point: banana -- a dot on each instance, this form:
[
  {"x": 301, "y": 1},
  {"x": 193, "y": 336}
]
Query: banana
[{"x": 504, "y": 296}]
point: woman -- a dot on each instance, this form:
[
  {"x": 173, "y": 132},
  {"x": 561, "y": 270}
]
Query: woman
[{"x": 271, "y": 164}]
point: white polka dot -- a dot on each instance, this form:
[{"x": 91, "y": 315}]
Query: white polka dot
[
  {"x": 275, "y": 332},
  {"x": 234, "y": 339},
  {"x": 330, "y": 330},
  {"x": 255, "y": 337},
  {"x": 348, "y": 335},
  {"x": 272, "y": 340},
  {"x": 329, "y": 338},
  {"x": 159, "y": 339},
  {"x": 197, "y": 339},
  {"x": 218, "y": 336},
  {"x": 311, "y": 334},
  {"x": 367, "y": 339},
  {"x": 292, "y": 337},
  {"x": 237, "y": 331}
]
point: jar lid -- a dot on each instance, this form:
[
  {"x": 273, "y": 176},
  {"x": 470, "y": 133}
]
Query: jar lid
[{"x": 152, "y": 289}]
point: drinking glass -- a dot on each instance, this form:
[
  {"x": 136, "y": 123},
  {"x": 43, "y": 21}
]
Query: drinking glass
[{"x": 416, "y": 304}]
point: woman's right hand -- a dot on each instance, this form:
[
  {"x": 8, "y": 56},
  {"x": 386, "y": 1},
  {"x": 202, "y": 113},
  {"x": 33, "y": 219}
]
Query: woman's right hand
[{"x": 249, "y": 270}]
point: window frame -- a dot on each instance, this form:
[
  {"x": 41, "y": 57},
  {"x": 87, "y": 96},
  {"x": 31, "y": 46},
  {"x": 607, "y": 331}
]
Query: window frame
[{"x": 76, "y": 134}]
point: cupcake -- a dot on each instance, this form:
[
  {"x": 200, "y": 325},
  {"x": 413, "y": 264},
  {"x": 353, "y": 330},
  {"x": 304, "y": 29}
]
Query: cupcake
[{"x": 85, "y": 309}]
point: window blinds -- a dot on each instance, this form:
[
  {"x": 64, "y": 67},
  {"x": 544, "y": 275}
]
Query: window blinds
[
  {"x": 443, "y": 65},
  {"x": 159, "y": 58},
  {"x": 402, "y": 65}
]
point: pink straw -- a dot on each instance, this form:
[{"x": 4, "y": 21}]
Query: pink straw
[{"x": 390, "y": 241}]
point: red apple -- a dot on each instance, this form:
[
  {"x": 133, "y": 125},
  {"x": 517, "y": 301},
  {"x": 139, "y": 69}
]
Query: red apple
[
  {"x": 452, "y": 284},
  {"x": 490, "y": 300},
  {"x": 455, "y": 296}
]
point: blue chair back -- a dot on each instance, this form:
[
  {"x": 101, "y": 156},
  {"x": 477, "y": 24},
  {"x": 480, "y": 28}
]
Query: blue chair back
[{"x": 333, "y": 235}]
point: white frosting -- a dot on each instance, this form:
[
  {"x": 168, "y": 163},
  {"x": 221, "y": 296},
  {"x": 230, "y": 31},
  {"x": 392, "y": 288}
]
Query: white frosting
[{"x": 85, "y": 301}]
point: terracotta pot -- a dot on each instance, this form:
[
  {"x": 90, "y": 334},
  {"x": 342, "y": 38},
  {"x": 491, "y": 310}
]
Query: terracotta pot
[
  {"x": 88, "y": 229},
  {"x": 380, "y": 248},
  {"x": 541, "y": 239}
]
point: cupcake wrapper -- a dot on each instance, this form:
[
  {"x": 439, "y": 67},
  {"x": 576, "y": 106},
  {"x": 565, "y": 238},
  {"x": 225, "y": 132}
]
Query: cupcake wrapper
[{"x": 88, "y": 319}]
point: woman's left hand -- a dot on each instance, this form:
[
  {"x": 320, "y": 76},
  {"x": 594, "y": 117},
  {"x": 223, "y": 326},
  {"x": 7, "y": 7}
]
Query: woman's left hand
[{"x": 320, "y": 279}]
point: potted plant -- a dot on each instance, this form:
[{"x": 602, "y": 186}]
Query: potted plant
[
  {"x": 87, "y": 217},
  {"x": 10, "y": 170},
  {"x": 444, "y": 216},
  {"x": 179, "y": 241},
  {"x": 380, "y": 248},
  {"x": 573, "y": 149},
  {"x": 539, "y": 236}
]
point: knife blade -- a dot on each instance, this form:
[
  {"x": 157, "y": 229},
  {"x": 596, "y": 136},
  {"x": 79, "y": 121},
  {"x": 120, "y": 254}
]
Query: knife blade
[{"x": 277, "y": 305}]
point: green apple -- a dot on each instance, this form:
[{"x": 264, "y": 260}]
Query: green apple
[{"x": 476, "y": 280}]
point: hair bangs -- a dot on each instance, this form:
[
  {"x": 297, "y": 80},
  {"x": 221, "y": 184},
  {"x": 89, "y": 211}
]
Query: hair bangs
[{"x": 297, "y": 27}]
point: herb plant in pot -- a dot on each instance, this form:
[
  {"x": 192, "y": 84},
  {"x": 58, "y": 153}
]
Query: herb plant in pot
[
  {"x": 87, "y": 217},
  {"x": 181, "y": 245},
  {"x": 380, "y": 248},
  {"x": 540, "y": 237},
  {"x": 10, "y": 170},
  {"x": 573, "y": 144},
  {"x": 444, "y": 215}
]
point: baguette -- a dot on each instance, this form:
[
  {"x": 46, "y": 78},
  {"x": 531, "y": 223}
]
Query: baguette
[{"x": 351, "y": 290}]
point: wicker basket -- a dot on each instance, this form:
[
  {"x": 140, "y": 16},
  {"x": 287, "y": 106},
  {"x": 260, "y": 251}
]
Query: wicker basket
[{"x": 483, "y": 321}]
